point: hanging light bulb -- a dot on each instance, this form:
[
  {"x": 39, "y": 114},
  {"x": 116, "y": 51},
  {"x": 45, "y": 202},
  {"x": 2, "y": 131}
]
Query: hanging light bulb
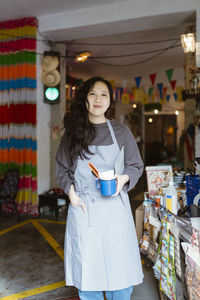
[
  {"x": 155, "y": 111},
  {"x": 177, "y": 112},
  {"x": 134, "y": 105},
  {"x": 150, "y": 120},
  {"x": 188, "y": 42},
  {"x": 83, "y": 56}
]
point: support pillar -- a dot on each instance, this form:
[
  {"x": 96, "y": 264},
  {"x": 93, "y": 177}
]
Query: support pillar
[
  {"x": 57, "y": 114},
  {"x": 190, "y": 104}
]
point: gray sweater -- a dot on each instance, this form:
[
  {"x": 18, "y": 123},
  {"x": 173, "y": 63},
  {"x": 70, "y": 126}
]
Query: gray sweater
[{"x": 133, "y": 165}]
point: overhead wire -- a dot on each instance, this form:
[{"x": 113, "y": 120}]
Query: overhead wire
[
  {"x": 132, "y": 54},
  {"x": 94, "y": 59},
  {"x": 125, "y": 44},
  {"x": 97, "y": 57},
  {"x": 136, "y": 63}
]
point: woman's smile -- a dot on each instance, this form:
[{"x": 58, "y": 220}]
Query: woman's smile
[{"x": 98, "y": 101}]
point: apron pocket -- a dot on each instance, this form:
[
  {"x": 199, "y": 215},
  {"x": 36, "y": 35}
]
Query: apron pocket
[
  {"x": 77, "y": 210},
  {"x": 74, "y": 254}
]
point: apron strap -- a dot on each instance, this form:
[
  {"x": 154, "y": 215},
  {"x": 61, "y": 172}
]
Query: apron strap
[{"x": 112, "y": 133}]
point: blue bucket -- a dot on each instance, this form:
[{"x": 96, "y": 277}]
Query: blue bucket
[{"x": 192, "y": 187}]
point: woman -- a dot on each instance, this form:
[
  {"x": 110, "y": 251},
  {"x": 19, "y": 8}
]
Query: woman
[{"x": 101, "y": 249}]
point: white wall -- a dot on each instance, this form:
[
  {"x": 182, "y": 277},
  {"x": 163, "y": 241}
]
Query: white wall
[{"x": 43, "y": 128}]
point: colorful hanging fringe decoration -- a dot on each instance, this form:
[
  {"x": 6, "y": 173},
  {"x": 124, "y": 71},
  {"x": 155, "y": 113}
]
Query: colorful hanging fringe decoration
[{"x": 18, "y": 146}]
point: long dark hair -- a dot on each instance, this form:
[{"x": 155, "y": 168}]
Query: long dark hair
[{"x": 79, "y": 130}]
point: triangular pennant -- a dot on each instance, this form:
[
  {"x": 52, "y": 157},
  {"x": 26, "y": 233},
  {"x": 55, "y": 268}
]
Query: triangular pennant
[
  {"x": 169, "y": 73},
  {"x": 163, "y": 101},
  {"x": 175, "y": 96},
  {"x": 125, "y": 91},
  {"x": 118, "y": 93},
  {"x": 131, "y": 98},
  {"x": 153, "y": 97},
  {"x": 152, "y": 77},
  {"x": 164, "y": 91},
  {"x": 137, "y": 81},
  {"x": 160, "y": 89},
  {"x": 167, "y": 97},
  {"x": 138, "y": 95},
  {"x": 112, "y": 82},
  {"x": 173, "y": 84},
  {"x": 179, "y": 90},
  {"x": 125, "y": 98},
  {"x": 124, "y": 83},
  {"x": 150, "y": 91}
]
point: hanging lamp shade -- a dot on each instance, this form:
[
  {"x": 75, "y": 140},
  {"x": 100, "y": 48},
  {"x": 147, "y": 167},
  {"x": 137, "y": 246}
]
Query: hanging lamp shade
[{"x": 188, "y": 42}]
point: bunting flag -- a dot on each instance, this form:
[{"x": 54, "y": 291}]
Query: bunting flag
[
  {"x": 173, "y": 84},
  {"x": 153, "y": 97},
  {"x": 179, "y": 90},
  {"x": 138, "y": 95},
  {"x": 131, "y": 97},
  {"x": 157, "y": 94},
  {"x": 125, "y": 98},
  {"x": 152, "y": 77},
  {"x": 112, "y": 82},
  {"x": 164, "y": 91},
  {"x": 137, "y": 81},
  {"x": 118, "y": 93},
  {"x": 18, "y": 146},
  {"x": 124, "y": 83},
  {"x": 163, "y": 101},
  {"x": 145, "y": 99},
  {"x": 175, "y": 96},
  {"x": 150, "y": 91},
  {"x": 169, "y": 73},
  {"x": 160, "y": 90},
  {"x": 167, "y": 97}
]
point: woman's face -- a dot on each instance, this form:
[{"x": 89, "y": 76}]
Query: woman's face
[{"x": 98, "y": 102}]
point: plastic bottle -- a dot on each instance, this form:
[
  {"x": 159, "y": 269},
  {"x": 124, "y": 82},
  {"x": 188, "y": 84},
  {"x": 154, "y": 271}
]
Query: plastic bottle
[{"x": 171, "y": 198}]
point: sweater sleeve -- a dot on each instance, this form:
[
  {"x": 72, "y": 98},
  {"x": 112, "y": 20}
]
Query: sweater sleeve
[
  {"x": 133, "y": 164},
  {"x": 63, "y": 167}
]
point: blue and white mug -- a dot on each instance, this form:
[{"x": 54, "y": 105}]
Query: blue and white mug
[{"x": 107, "y": 187}]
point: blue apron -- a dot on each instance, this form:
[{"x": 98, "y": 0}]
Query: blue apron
[{"x": 101, "y": 247}]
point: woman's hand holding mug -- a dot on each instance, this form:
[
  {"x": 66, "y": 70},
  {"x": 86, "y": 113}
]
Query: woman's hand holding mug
[{"x": 121, "y": 181}]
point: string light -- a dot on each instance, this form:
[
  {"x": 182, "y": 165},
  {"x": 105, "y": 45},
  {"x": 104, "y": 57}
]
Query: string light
[
  {"x": 177, "y": 112},
  {"x": 155, "y": 111},
  {"x": 150, "y": 120},
  {"x": 83, "y": 56},
  {"x": 134, "y": 105}
]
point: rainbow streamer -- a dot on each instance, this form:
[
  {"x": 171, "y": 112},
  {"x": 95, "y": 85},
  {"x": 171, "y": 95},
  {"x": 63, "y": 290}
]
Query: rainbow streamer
[{"x": 18, "y": 146}]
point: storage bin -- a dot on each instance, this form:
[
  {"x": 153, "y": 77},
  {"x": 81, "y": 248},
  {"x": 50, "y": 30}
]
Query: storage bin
[{"x": 192, "y": 187}]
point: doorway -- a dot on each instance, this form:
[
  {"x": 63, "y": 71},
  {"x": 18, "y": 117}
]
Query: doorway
[{"x": 160, "y": 138}]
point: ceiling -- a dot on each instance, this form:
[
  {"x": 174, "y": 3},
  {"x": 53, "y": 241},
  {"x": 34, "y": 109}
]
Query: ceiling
[
  {"x": 131, "y": 54},
  {"x": 147, "y": 44}
]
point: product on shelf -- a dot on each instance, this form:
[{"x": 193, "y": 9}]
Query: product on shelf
[{"x": 164, "y": 268}]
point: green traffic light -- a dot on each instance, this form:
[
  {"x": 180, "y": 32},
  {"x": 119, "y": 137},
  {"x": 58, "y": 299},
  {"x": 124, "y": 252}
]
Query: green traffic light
[{"x": 52, "y": 93}]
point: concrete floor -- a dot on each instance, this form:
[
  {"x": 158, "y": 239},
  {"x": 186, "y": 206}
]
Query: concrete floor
[{"x": 31, "y": 261}]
